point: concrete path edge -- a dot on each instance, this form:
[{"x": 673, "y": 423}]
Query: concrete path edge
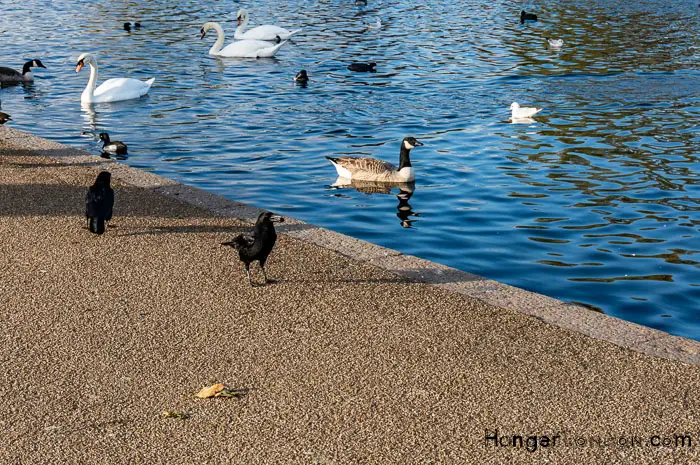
[{"x": 555, "y": 312}]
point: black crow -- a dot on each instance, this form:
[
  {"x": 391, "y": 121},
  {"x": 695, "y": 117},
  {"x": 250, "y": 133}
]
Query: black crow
[
  {"x": 259, "y": 245},
  {"x": 363, "y": 67},
  {"x": 99, "y": 202},
  {"x": 112, "y": 146},
  {"x": 527, "y": 17}
]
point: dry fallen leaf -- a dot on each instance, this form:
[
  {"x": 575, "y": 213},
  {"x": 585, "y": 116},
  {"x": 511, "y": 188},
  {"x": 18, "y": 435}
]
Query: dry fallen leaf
[{"x": 210, "y": 391}]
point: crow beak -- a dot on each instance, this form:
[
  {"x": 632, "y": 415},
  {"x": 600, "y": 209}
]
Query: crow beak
[
  {"x": 79, "y": 67},
  {"x": 276, "y": 219},
  {"x": 203, "y": 33}
]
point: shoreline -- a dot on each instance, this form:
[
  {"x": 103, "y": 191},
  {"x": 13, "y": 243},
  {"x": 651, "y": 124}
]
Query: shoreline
[{"x": 572, "y": 317}]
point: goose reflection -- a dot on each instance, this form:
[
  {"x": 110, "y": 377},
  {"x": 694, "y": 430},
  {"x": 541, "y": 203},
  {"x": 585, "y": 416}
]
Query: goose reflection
[{"x": 404, "y": 211}]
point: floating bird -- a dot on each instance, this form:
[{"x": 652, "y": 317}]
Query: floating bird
[
  {"x": 112, "y": 90},
  {"x": 363, "y": 67},
  {"x": 99, "y": 202},
  {"x": 127, "y": 27},
  {"x": 10, "y": 75},
  {"x": 518, "y": 112},
  {"x": 4, "y": 118},
  {"x": 112, "y": 146},
  {"x": 137, "y": 25},
  {"x": 242, "y": 48},
  {"x": 527, "y": 17},
  {"x": 360, "y": 2},
  {"x": 301, "y": 77},
  {"x": 555, "y": 43},
  {"x": 371, "y": 169},
  {"x": 264, "y": 32},
  {"x": 376, "y": 25},
  {"x": 258, "y": 245}
]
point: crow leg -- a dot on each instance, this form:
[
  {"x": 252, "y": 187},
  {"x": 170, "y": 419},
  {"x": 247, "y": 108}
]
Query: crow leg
[{"x": 247, "y": 270}]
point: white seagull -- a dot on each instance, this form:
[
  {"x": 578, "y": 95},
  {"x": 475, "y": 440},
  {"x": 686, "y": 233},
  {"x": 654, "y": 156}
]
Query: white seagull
[{"x": 518, "y": 112}]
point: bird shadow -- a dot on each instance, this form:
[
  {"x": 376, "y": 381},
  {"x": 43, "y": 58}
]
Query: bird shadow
[{"x": 189, "y": 229}]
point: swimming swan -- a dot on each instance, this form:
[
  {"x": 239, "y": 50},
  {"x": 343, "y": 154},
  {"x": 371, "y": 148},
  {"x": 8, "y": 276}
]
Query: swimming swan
[
  {"x": 240, "y": 49},
  {"x": 112, "y": 90},
  {"x": 264, "y": 32},
  {"x": 371, "y": 169}
]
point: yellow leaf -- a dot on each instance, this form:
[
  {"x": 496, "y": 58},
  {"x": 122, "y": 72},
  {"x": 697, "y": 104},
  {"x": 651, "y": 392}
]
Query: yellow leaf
[{"x": 210, "y": 391}]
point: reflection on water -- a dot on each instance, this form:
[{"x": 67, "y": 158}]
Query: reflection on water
[
  {"x": 597, "y": 201},
  {"x": 404, "y": 192}
]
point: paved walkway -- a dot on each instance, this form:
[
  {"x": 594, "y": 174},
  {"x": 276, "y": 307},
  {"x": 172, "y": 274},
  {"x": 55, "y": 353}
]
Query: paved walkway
[{"x": 345, "y": 362}]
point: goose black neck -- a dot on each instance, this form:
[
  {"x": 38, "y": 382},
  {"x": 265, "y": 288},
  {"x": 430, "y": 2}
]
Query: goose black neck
[
  {"x": 404, "y": 160},
  {"x": 25, "y": 68}
]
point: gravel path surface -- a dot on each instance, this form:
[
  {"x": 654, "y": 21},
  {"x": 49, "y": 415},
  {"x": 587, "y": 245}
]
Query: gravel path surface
[{"x": 344, "y": 362}]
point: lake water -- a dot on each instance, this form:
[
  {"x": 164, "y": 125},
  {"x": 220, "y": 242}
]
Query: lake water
[{"x": 597, "y": 202}]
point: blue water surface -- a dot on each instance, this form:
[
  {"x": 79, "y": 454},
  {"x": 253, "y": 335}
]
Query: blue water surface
[{"x": 597, "y": 202}]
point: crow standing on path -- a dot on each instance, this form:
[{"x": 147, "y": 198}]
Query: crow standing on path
[
  {"x": 259, "y": 245},
  {"x": 99, "y": 202}
]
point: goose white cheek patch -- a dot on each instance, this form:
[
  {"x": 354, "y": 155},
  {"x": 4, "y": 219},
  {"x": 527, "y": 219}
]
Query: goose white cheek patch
[{"x": 407, "y": 145}]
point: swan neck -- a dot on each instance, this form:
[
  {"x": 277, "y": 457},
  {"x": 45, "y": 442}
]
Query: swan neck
[
  {"x": 219, "y": 39},
  {"x": 92, "y": 82}
]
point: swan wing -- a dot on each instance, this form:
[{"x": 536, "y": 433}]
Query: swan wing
[
  {"x": 250, "y": 49},
  {"x": 116, "y": 89},
  {"x": 265, "y": 32}
]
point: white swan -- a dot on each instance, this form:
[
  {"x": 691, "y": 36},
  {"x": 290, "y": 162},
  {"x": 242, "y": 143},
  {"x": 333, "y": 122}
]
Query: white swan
[
  {"x": 264, "y": 32},
  {"x": 371, "y": 169},
  {"x": 112, "y": 90},
  {"x": 240, "y": 49}
]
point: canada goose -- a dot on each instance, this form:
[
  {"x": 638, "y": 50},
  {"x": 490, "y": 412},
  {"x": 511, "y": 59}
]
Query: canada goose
[
  {"x": 527, "y": 17},
  {"x": 301, "y": 77},
  {"x": 99, "y": 203},
  {"x": 518, "y": 112},
  {"x": 112, "y": 90},
  {"x": 363, "y": 67},
  {"x": 10, "y": 75},
  {"x": 371, "y": 169},
  {"x": 258, "y": 245},
  {"x": 112, "y": 146}
]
